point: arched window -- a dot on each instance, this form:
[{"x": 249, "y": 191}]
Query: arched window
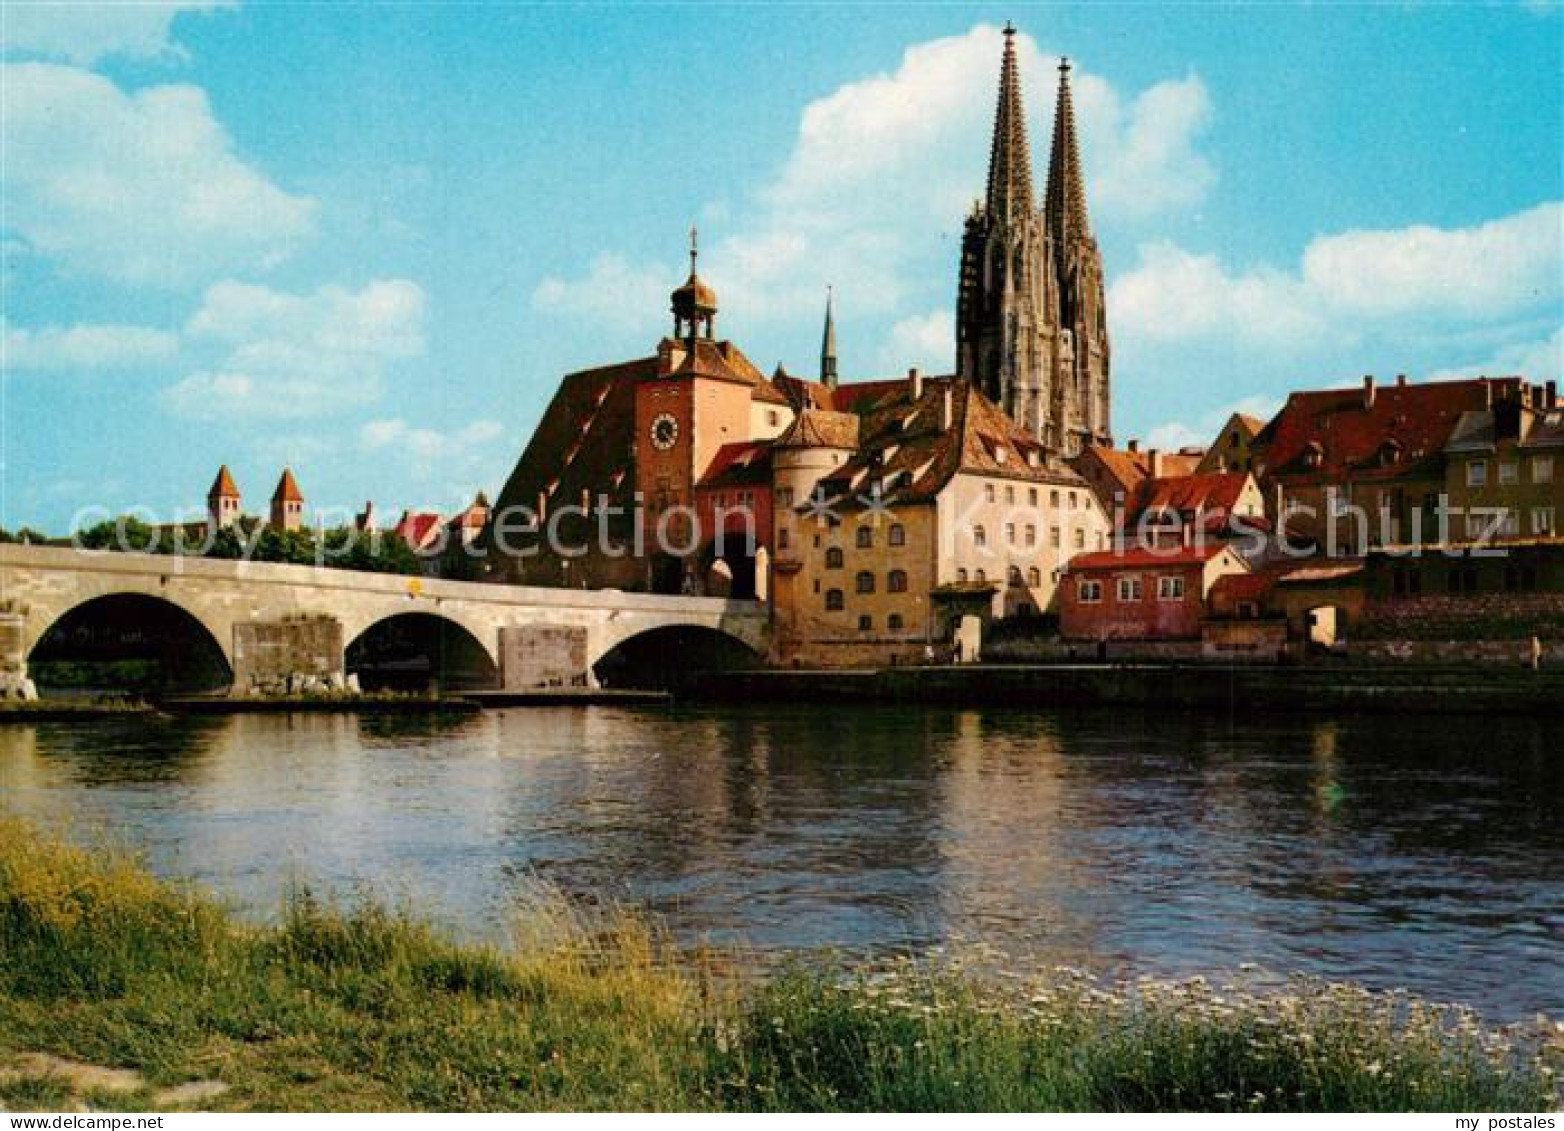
[
  {"x": 898, "y": 534},
  {"x": 896, "y": 581},
  {"x": 833, "y": 558},
  {"x": 865, "y": 581},
  {"x": 833, "y": 600},
  {"x": 865, "y": 537}
]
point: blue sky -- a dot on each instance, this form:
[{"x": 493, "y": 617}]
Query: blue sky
[{"x": 366, "y": 240}]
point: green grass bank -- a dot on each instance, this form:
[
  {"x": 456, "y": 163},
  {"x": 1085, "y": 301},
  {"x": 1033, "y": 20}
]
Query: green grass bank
[{"x": 121, "y": 991}]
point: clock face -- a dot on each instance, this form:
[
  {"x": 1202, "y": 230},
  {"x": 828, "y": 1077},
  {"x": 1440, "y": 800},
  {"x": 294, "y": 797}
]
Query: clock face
[{"x": 665, "y": 430}]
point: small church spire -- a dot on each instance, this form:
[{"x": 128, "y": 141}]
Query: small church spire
[
  {"x": 694, "y": 305},
  {"x": 1010, "y": 160},
  {"x": 1065, "y": 201},
  {"x": 828, "y": 346}
]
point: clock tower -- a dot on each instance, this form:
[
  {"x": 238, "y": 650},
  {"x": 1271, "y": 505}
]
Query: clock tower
[{"x": 686, "y": 410}]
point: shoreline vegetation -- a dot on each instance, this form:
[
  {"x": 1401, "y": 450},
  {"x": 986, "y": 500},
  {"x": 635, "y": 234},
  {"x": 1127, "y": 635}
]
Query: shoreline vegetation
[{"x": 121, "y": 991}]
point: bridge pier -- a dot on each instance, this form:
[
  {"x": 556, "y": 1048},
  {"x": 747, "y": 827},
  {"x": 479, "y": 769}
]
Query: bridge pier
[
  {"x": 544, "y": 655},
  {"x": 14, "y": 683},
  {"x": 291, "y": 655}
]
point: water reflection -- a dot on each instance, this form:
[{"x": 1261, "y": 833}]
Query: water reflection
[{"x": 1419, "y": 854}]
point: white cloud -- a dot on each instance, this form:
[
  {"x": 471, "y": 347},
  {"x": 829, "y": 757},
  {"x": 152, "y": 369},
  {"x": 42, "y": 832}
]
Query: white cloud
[
  {"x": 54, "y": 349},
  {"x": 1199, "y": 431},
  {"x": 142, "y": 187},
  {"x": 428, "y": 443},
  {"x": 1348, "y": 284},
  {"x": 1541, "y": 360},
  {"x": 290, "y": 356},
  {"x": 927, "y": 341},
  {"x": 613, "y": 293},
  {"x": 83, "y": 33},
  {"x": 882, "y": 165}
]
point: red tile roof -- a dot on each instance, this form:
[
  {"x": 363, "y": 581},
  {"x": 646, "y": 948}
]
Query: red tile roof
[
  {"x": 287, "y": 490},
  {"x": 739, "y": 464},
  {"x": 1143, "y": 556},
  {"x": 1402, "y": 429},
  {"x": 223, "y": 486},
  {"x": 1186, "y": 494},
  {"x": 417, "y": 528}
]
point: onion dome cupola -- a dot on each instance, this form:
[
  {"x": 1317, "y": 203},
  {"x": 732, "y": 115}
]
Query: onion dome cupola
[{"x": 694, "y": 304}]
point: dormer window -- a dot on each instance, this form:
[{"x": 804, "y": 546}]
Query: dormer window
[{"x": 1313, "y": 455}]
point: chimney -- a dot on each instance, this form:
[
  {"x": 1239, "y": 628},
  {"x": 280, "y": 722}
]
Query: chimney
[
  {"x": 947, "y": 412},
  {"x": 1154, "y": 463},
  {"x": 1401, "y": 380},
  {"x": 1368, "y": 390},
  {"x": 1134, "y": 446},
  {"x": 915, "y": 381},
  {"x": 1550, "y": 395}
]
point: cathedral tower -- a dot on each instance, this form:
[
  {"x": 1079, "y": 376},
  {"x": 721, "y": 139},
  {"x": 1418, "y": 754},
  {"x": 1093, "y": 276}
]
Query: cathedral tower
[{"x": 1031, "y": 323}]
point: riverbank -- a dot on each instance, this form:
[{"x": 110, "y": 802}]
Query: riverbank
[
  {"x": 1232, "y": 689},
  {"x": 124, "y": 992}
]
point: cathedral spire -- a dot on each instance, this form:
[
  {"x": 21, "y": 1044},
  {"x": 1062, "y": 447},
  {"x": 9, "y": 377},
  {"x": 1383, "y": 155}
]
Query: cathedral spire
[
  {"x": 1010, "y": 160},
  {"x": 1065, "y": 201},
  {"x": 828, "y": 347}
]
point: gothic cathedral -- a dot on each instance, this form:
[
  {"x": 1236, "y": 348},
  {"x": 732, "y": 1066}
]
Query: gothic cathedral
[{"x": 1031, "y": 322}]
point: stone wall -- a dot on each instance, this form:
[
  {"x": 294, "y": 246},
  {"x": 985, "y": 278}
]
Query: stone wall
[
  {"x": 543, "y": 655},
  {"x": 1501, "y": 653},
  {"x": 14, "y": 683},
  {"x": 1470, "y": 617},
  {"x": 291, "y": 655}
]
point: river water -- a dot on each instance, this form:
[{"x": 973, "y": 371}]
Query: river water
[{"x": 1427, "y": 854}]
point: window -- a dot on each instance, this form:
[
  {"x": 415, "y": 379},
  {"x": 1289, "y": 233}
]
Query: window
[
  {"x": 1053, "y": 498},
  {"x": 1053, "y": 537},
  {"x": 898, "y": 534},
  {"x": 1080, "y": 539},
  {"x": 1034, "y": 577},
  {"x": 1089, "y": 592},
  {"x": 961, "y": 576},
  {"x": 1542, "y": 520},
  {"x": 988, "y": 492},
  {"x": 1010, "y": 533},
  {"x": 1031, "y": 496},
  {"x": 773, "y": 418},
  {"x": 1071, "y": 497},
  {"x": 785, "y": 496},
  {"x": 979, "y": 536},
  {"x": 865, "y": 581},
  {"x": 865, "y": 537},
  {"x": 1542, "y": 469},
  {"x": 1510, "y": 524},
  {"x": 894, "y": 622},
  {"x": 980, "y": 577},
  {"x": 1014, "y": 576},
  {"x": 782, "y": 538},
  {"x": 833, "y": 600},
  {"x": 1170, "y": 588},
  {"x": 1031, "y": 535},
  {"x": 833, "y": 558},
  {"x": 1477, "y": 473},
  {"x": 1129, "y": 588},
  {"x": 865, "y": 622},
  {"x": 1509, "y": 471},
  {"x": 896, "y": 581},
  {"x": 1010, "y": 494}
]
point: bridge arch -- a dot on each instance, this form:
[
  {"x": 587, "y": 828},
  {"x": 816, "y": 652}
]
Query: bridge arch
[
  {"x": 128, "y": 640},
  {"x": 658, "y": 656},
  {"x": 419, "y": 649}
]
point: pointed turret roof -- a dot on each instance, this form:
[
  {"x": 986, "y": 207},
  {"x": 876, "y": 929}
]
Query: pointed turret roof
[
  {"x": 828, "y": 346},
  {"x": 223, "y": 486},
  {"x": 287, "y": 490},
  {"x": 1010, "y": 160},
  {"x": 1065, "y": 202}
]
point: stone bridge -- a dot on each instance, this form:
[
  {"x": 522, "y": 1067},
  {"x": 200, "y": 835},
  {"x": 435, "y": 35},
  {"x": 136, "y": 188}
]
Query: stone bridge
[{"x": 286, "y": 625}]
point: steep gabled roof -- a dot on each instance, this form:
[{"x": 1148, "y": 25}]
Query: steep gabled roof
[
  {"x": 742, "y": 464},
  {"x": 1218, "y": 490},
  {"x": 287, "y": 489},
  {"x": 223, "y": 486},
  {"x": 1356, "y": 434},
  {"x": 819, "y": 428}
]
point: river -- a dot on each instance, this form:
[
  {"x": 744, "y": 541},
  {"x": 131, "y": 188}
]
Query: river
[{"x": 1427, "y": 854}]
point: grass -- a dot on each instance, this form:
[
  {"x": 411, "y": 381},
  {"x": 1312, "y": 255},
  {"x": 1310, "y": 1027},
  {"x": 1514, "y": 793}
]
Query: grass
[{"x": 360, "y": 1008}]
